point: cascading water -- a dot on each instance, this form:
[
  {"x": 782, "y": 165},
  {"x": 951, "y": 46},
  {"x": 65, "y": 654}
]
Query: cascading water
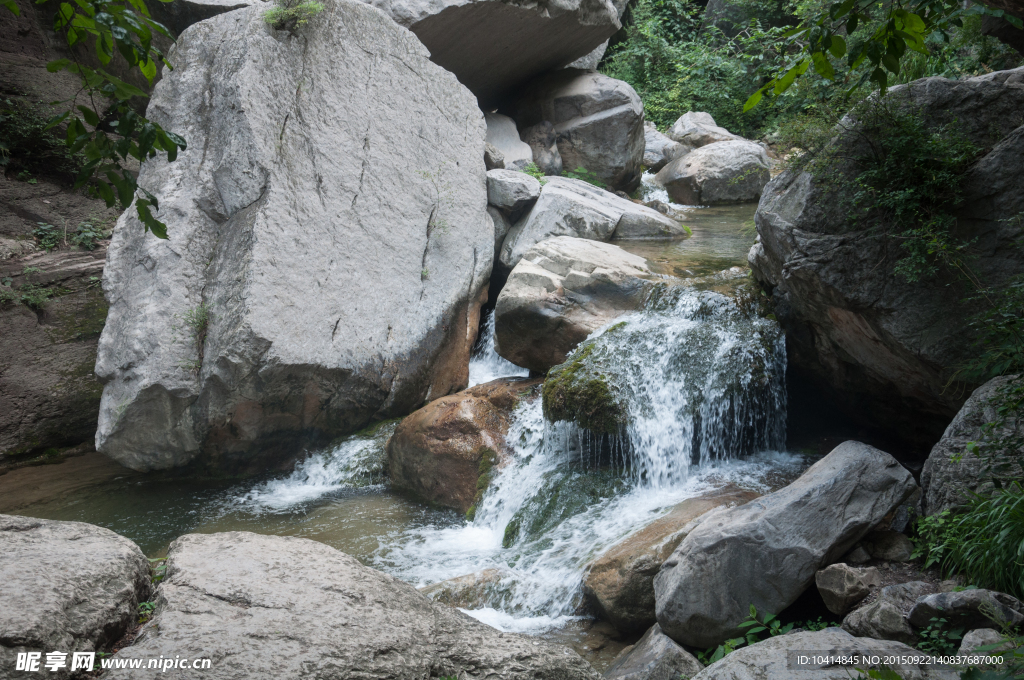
[{"x": 486, "y": 365}]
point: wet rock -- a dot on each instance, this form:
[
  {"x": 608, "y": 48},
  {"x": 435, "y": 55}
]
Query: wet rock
[
  {"x": 563, "y": 290},
  {"x": 659, "y": 150},
  {"x": 511, "y": 191},
  {"x": 886, "y": 617},
  {"x": 969, "y": 609},
  {"x": 598, "y": 121},
  {"x": 572, "y": 207},
  {"x": 888, "y": 545},
  {"x": 291, "y": 608},
  {"x": 621, "y": 580},
  {"x": 493, "y": 159},
  {"x": 654, "y": 657},
  {"x": 446, "y": 451},
  {"x": 503, "y": 135},
  {"x": 842, "y": 586},
  {"x": 723, "y": 172},
  {"x": 695, "y": 129},
  {"x": 273, "y": 342},
  {"x": 765, "y": 553},
  {"x": 544, "y": 142},
  {"x": 487, "y": 588},
  {"x": 878, "y": 345},
  {"x": 948, "y": 483},
  {"x": 769, "y": 659},
  {"x": 67, "y": 586}
]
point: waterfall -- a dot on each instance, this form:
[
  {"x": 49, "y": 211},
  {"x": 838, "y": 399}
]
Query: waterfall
[{"x": 486, "y": 365}]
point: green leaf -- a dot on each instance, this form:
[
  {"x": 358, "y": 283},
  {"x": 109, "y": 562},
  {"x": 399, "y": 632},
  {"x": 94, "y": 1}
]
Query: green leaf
[
  {"x": 838, "y": 46},
  {"x": 784, "y": 83},
  {"x": 751, "y": 102},
  {"x": 148, "y": 69},
  {"x": 58, "y": 65},
  {"x": 90, "y": 116},
  {"x": 11, "y": 5},
  {"x": 152, "y": 224},
  {"x": 822, "y": 66},
  {"x": 851, "y": 24},
  {"x": 891, "y": 62},
  {"x": 56, "y": 120}
]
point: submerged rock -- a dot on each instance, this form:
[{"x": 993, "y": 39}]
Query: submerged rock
[
  {"x": 274, "y": 339},
  {"x": 766, "y": 553},
  {"x": 290, "y": 608},
  {"x": 563, "y": 290},
  {"x": 842, "y": 586},
  {"x": 487, "y": 588},
  {"x": 446, "y": 451},
  {"x": 723, "y": 172},
  {"x": 654, "y": 657},
  {"x": 67, "y": 587},
  {"x": 886, "y": 617},
  {"x": 621, "y": 580},
  {"x": 503, "y": 135},
  {"x": 599, "y": 122}
]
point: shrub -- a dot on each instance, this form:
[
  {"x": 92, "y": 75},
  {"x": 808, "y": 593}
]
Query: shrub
[
  {"x": 585, "y": 175},
  {"x": 289, "y": 15}
]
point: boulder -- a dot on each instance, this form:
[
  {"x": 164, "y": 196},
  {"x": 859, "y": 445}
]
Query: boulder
[
  {"x": 984, "y": 637},
  {"x": 723, "y": 172},
  {"x": 599, "y": 122},
  {"x": 274, "y": 340},
  {"x": 695, "y": 129},
  {"x": 487, "y": 588},
  {"x": 654, "y": 657},
  {"x": 620, "y": 582},
  {"x": 659, "y": 150},
  {"x": 67, "y": 587},
  {"x": 179, "y": 15},
  {"x": 544, "y": 143},
  {"x": 888, "y": 545},
  {"x": 290, "y": 608},
  {"x": 968, "y": 609},
  {"x": 881, "y": 347},
  {"x": 493, "y": 159},
  {"x": 511, "y": 191},
  {"x": 948, "y": 482},
  {"x": 886, "y": 617},
  {"x": 445, "y": 452},
  {"x": 501, "y": 227},
  {"x": 765, "y": 553},
  {"x": 842, "y": 586},
  {"x": 563, "y": 290},
  {"x": 572, "y": 207},
  {"x": 493, "y": 47},
  {"x": 503, "y": 135},
  {"x": 858, "y": 555},
  {"x": 771, "y": 659}
]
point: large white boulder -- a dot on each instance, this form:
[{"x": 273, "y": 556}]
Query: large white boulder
[
  {"x": 765, "y": 553},
  {"x": 504, "y": 136},
  {"x": 723, "y": 172},
  {"x": 695, "y": 129},
  {"x": 326, "y": 258}
]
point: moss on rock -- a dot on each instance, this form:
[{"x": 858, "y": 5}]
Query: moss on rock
[{"x": 577, "y": 391}]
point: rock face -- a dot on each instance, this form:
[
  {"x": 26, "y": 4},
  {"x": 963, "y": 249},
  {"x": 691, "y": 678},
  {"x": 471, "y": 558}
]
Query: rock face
[
  {"x": 842, "y": 586},
  {"x": 659, "y": 149},
  {"x": 273, "y": 341},
  {"x": 765, "y": 553},
  {"x": 503, "y": 135},
  {"x": 769, "y": 659},
  {"x": 881, "y": 347},
  {"x": 445, "y": 452},
  {"x": 621, "y": 581},
  {"x": 67, "y": 586},
  {"x": 287, "y": 608},
  {"x": 599, "y": 122},
  {"x": 654, "y": 657},
  {"x": 563, "y": 290},
  {"x": 572, "y": 207},
  {"x": 544, "y": 142},
  {"x": 723, "y": 172},
  {"x": 493, "y": 46},
  {"x": 968, "y": 608},
  {"x": 886, "y": 617},
  {"x": 948, "y": 483},
  {"x": 511, "y": 191},
  {"x": 696, "y": 129}
]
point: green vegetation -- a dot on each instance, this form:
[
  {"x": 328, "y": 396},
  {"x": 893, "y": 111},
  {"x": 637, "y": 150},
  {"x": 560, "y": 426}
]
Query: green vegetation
[
  {"x": 585, "y": 175},
  {"x": 756, "y": 631},
  {"x": 940, "y": 638},
  {"x": 576, "y": 391},
  {"x": 28, "y": 146},
  {"x": 145, "y": 611},
  {"x": 289, "y": 15},
  {"x": 196, "y": 321},
  {"x": 85, "y": 236},
  {"x": 533, "y": 171}
]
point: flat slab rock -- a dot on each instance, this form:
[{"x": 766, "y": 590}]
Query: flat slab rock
[
  {"x": 290, "y": 608},
  {"x": 66, "y": 586}
]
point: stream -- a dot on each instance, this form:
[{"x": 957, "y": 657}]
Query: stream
[{"x": 703, "y": 383}]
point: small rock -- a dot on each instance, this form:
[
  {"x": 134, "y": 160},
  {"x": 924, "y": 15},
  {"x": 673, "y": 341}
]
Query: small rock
[
  {"x": 842, "y": 586},
  {"x": 885, "y": 618},
  {"x": 544, "y": 142},
  {"x": 983, "y": 637},
  {"x": 968, "y": 609},
  {"x": 493, "y": 159},
  {"x": 654, "y": 657},
  {"x": 510, "y": 190},
  {"x": 503, "y": 136},
  {"x": 888, "y": 545}
]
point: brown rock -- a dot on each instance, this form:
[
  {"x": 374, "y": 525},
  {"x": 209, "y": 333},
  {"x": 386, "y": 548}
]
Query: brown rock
[
  {"x": 621, "y": 581},
  {"x": 443, "y": 452}
]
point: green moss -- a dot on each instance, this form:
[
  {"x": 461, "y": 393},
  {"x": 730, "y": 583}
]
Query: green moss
[{"x": 575, "y": 391}]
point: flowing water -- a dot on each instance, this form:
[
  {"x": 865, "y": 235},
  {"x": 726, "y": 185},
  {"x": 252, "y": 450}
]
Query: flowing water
[{"x": 700, "y": 380}]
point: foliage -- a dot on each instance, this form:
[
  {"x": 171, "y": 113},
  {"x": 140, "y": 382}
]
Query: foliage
[
  {"x": 585, "y": 175},
  {"x": 145, "y": 611},
  {"x": 157, "y": 569},
  {"x": 197, "y": 322},
  {"x": 999, "y": 329},
  {"x": 85, "y": 236},
  {"x": 28, "y": 146},
  {"x": 755, "y": 629},
  {"x": 939, "y": 638},
  {"x": 289, "y": 15},
  {"x": 533, "y": 171},
  {"x": 49, "y": 236}
]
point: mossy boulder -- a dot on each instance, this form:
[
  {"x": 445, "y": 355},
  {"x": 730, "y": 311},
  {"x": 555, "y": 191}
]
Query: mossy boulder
[{"x": 578, "y": 391}]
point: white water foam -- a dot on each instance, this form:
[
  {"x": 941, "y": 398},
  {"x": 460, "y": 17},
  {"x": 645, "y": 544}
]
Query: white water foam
[{"x": 486, "y": 365}]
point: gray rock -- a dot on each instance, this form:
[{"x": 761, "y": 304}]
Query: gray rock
[
  {"x": 765, "y": 553},
  {"x": 501, "y": 227},
  {"x": 561, "y": 291},
  {"x": 487, "y": 588},
  {"x": 659, "y": 150},
  {"x": 590, "y": 60},
  {"x": 572, "y": 207},
  {"x": 330, "y": 297},
  {"x": 503, "y": 135},
  {"x": 884, "y": 347},
  {"x": 984, "y": 637},
  {"x": 723, "y": 172},
  {"x": 888, "y": 545},
  {"x": 510, "y": 190},
  {"x": 857, "y": 556},
  {"x": 843, "y": 586},
  {"x": 968, "y": 608},
  {"x": 654, "y": 657},
  {"x": 493, "y": 159},
  {"x": 948, "y": 483},
  {"x": 284, "y": 607},
  {"x": 67, "y": 587},
  {"x": 770, "y": 659},
  {"x": 696, "y": 129},
  {"x": 598, "y": 121},
  {"x": 544, "y": 142},
  {"x": 493, "y": 46},
  {"x": 886, "y": 617}
]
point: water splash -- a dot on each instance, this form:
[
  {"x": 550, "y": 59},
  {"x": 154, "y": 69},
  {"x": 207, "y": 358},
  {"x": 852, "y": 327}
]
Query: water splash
[{"x": 485, "y": 364}]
